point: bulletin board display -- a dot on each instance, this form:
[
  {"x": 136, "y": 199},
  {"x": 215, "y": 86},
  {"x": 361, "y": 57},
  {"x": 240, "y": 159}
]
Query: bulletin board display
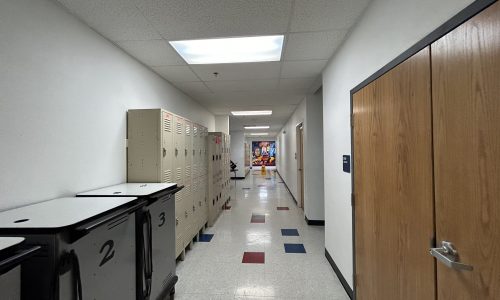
[{"x": 264, "y": 153}]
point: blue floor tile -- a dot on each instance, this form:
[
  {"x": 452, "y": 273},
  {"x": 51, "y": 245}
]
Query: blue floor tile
[
  {"x": 206, "y": 237},
  {"x": 295, "y": 248},
  {"x": 289, "y": 232}
]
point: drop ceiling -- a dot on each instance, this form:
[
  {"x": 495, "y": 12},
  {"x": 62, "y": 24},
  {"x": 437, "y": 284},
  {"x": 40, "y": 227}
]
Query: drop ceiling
[{"x": 313, "y": 30}]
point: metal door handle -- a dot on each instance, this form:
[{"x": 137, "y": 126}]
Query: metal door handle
[
  {"x": 448, "y": 255},
  {"x": 164, "y": 152}
]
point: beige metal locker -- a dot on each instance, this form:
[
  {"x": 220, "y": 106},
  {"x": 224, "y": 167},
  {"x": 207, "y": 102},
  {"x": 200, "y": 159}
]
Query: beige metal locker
[
  {"x": 188, "y": 171},
  {"x": 149, "y": 138},
  {"x": 218, "y": 166},
  {"x": 163, "y": 147}
]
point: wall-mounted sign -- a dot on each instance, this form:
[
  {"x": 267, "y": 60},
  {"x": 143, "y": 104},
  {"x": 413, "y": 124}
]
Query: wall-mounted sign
[{"x": 346, "y": 163}]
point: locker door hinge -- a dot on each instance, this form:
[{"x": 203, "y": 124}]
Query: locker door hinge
[{"x": 352, "y": 199}]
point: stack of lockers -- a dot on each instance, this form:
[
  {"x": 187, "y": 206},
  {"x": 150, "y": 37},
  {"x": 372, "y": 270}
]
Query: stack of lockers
[
  {"x": 163, "y": 147},
  {"x": 218, "y": 170}
]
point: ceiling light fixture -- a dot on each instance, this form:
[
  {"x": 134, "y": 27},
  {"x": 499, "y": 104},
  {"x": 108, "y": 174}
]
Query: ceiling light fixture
[
  {"x": 230, "y": 50},
  {"x": 259, "y": 133},
  {"x": 256, "y": 127},
  {"x": 252, "y": 113}
]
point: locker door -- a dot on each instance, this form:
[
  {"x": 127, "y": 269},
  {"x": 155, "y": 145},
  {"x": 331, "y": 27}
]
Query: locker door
[
  {"x": 466, "y": 111},
  {"x": 393, "y": 184},
  {"x": 167, "y": 160},
  {"x": 179, "y": 179},
  {"x": 179, "y": 156},
  {"x": 188, "y": 159}
]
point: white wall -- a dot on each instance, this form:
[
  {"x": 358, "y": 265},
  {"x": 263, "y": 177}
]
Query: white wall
[
  {"x": 310, "y": 113},
  {"x": 238, "y": 152},
  {"x": 222, "y": 124},
  {"x": 64, "y": 93},
  {"x": 387, "y": 28},
  {"x": 314, "y": 203},
  {"x": 287, "y": 143}
]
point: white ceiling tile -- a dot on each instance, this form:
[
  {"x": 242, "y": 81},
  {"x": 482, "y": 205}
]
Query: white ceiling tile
[
  {"x": 318, "y": 15},
  {"x": 242, "y": 85},
  {"x": 296, "y": 84},
  {"x": 252, "y": 99},
  {"x": 118, "y": 20},
  {"x": 238, "y": 71},
  {"x": 192, "y": 88},
  {"x": 194, "y": 19},
  {"x": 313, "y": 45},
  {"x": 152, "y": 52},
  {"x": 302, "y": 68},
  {"x": 176, "y": 73}
]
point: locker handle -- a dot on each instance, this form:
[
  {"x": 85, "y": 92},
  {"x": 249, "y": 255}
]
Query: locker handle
[
  {"x": 164, "y": 152},
  {"x": 185, "y": 152},
  {"x": 176, "y": 151},
  {"x": 84, "y": 229},
  {"x": 14, "y": 260},
  {"x": 194, "y": 208},
  {"x": 186, "y": 213},
  {"x": 176, "y": 221}
]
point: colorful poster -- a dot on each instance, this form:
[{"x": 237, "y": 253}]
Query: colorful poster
[{"x": 263, "y": 153}]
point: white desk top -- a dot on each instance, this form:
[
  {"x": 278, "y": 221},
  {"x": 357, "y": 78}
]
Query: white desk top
[
  {"x": 7, "y": 242},
  {"x": 130, "y": 189},
  {"x": 60, "y": 212}
]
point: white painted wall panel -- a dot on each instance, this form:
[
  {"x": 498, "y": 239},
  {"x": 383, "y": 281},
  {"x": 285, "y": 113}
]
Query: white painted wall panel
[{"x": 64, "y": 93}]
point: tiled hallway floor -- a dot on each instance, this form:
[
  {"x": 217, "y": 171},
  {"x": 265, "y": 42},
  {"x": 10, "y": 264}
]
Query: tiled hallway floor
[{"x": 214, "y": 270}]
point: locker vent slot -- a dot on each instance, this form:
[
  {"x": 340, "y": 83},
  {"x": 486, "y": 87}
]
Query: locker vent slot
[
  {"x": 167, "y": 125},
  {"x": 188, "y": 171},
  {"x": 188, "y": 129},
  {"x": 178, "y": 128},
  {"x": 167, "y": 176},
  {"x": 178, "y": 175},
  {"x": 195, "y": 131}
]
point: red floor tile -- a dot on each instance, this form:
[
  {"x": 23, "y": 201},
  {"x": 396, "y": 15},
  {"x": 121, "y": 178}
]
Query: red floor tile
[
  {"x": 253, "y": 258},
  {"x": 258, "y": 219},
  {"x": 283, "y": 208}
]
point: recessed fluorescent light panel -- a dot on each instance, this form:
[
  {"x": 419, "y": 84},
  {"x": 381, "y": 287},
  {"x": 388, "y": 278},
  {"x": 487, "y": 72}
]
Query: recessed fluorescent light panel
[
  {"x": 252, "y": 113},
  {"x": 230, "y": 50},
  {"x": 259, "y": 133},
  {"x": 256, "y": 127}
]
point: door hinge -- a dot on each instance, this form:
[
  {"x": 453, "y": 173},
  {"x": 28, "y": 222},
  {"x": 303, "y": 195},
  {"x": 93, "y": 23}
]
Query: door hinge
[{"x": 352, "y": 199}]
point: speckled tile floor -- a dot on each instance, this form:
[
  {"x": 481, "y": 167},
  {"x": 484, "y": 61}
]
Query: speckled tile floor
[{"x": 214, "y": 270}]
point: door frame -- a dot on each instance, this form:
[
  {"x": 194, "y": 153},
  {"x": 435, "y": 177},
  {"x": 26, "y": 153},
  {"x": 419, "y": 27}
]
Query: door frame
[
  {"x": 457, "y": 20},
  {"x": 299, "y": 156}
]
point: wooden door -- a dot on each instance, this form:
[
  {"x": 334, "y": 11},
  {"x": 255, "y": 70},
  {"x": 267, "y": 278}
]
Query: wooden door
[
  {"x": 466, "y": 106},
  {"x": 393, "y": 184},
  {"x": 300, "y": 163}
]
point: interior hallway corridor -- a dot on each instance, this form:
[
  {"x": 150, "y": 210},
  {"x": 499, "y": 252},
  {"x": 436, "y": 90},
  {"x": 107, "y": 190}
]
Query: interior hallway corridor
[{"x": 214, "y": 270}]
